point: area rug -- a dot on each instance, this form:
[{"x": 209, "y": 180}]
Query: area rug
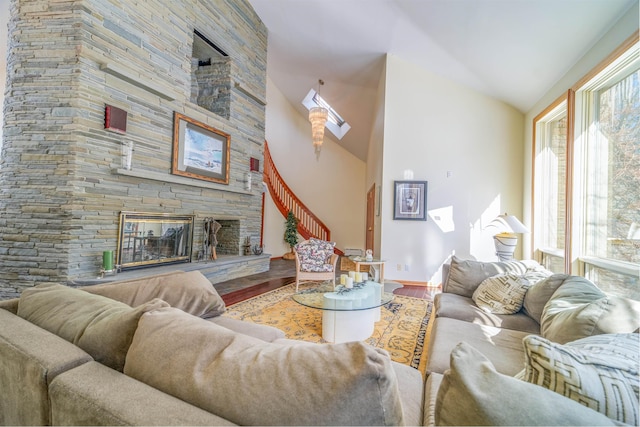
[{"x": 403, "y": 328}]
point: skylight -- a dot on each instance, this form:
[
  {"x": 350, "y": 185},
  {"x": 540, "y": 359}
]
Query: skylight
[{"x": 335, "y": 123}]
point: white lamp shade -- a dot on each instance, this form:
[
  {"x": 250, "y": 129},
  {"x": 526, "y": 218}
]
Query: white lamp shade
[{"x": 508, "y": 224}]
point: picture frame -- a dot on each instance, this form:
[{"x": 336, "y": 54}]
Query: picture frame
[
  {"x": 199, "y": 150},
  {"x": 410, "y": 200}
]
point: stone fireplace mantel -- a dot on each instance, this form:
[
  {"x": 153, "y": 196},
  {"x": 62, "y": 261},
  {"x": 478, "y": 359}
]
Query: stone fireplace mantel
[{"x": 163, "y": 177}]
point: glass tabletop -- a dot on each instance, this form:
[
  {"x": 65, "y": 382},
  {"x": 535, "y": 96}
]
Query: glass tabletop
[
  {"x": 363, "y": 260},
  {"x": 363, "y": 296}
]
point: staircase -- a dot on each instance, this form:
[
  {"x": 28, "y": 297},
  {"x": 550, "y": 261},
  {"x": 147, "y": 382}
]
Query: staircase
[{"x": 309, "y": 225}]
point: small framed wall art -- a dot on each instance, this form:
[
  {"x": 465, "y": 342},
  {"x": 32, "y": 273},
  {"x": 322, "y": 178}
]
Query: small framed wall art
[
  {"x": 410, "y": 200},
  {"x": 199, "y": 150}
]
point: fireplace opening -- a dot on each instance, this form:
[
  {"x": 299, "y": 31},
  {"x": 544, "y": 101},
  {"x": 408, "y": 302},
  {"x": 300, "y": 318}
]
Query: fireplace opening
[
  {"x": 147, "y": 239},
  {"x": 229, "y": 237}
]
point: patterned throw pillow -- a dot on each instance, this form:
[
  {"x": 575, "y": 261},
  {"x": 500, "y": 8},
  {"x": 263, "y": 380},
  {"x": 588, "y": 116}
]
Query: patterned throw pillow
[
  {"x": 504, "y": 293},
  {"x": 600, "y": 372}
]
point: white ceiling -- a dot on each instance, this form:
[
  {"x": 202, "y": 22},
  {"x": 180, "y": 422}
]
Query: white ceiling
[{"x": 513, "y": 50}]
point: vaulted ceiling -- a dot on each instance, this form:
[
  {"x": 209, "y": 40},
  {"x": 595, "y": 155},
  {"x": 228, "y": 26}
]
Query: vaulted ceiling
[{"x": 513, "y": 50}]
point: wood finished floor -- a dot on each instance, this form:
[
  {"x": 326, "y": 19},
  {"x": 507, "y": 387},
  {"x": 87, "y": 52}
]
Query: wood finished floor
[{"x": 282, "y": 273}]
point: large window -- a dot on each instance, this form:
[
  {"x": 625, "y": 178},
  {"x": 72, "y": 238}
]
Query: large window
[
  {"x": 608, "y": 149},
  {"x": 587, "y": 178}
]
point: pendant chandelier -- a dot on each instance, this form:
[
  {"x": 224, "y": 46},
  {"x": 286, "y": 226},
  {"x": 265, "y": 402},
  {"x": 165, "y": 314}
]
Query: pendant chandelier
[{"x": 318, "y": 118}]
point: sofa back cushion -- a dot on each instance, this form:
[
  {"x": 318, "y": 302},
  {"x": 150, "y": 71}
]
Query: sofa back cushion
[
  {"x": 30, "y": 358},
  {"x": 191, "y": 292},
  {"x": 465, "y": 276},
  {"x": 100, "y": 326},
  {"x": 473, "y": 393},
  {"x": 538, "y": 295},
  {"x": 251, "y": 382},
  {"x": 579, "y": 309}
]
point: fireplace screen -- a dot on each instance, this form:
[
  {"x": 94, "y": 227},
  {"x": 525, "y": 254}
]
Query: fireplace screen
[{"x": 147, "y": 239}]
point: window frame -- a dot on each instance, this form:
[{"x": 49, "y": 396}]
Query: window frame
[
  {"x": 545, "y": 117},
  {"x": 576, "y": 98}
]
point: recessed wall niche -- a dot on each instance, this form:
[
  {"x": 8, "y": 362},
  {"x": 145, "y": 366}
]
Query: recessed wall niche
[{"x": 210, "y": 76}]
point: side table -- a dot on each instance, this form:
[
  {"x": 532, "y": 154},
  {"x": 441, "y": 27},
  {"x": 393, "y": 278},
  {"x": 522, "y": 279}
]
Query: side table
[{"x": 375, "y": 261}]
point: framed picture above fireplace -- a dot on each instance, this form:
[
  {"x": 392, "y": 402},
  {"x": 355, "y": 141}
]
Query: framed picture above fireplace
[{"x": 199, "y": 150}]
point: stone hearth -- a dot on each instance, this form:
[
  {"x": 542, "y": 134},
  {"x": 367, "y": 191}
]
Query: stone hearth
[{"x": 226, "y": 267}]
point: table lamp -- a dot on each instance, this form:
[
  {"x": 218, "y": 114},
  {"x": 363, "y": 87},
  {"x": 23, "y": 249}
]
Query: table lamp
[{"x": 507, "y": 240}]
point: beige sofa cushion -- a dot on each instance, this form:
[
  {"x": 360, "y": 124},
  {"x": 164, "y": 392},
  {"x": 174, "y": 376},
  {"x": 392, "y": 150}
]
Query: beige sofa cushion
[
  {"x": 10, "y": 305},
  {"x": 473, "y": 393},
  {"x": 191, "y": 292},
  {"x": 465, "y": 275},
  {"x": 93, "y": 395},
  {"x": 600, "y": 372},
  {"x": 251, "y": 382},
  {"x": 411, "y": 388},
  {"x": 503, "y": 347},
  {"x": 538, "y": 295},
  {"x": 264, "y": 332},
  {"x": 463, "y": 308},
  {"x": 431, "y": 387},
  {"x": 30, "y": 358},
  {"x": 579, "y": 309},
  {"x": 100, "y": 326}
]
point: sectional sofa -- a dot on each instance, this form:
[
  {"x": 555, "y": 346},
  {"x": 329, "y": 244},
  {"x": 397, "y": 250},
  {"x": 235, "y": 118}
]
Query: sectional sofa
[
  {"x": 160, "y": 351},
  {"x": 564, "y": 334}
]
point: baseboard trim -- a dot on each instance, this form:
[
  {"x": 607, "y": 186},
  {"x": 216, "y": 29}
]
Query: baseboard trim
[{"x": 411, "y": 283}]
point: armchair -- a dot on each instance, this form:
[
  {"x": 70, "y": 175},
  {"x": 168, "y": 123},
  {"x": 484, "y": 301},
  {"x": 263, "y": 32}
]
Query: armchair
[{"x": 315, "y": 260}]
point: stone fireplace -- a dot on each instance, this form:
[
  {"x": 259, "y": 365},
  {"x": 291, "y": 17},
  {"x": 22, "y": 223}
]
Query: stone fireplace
[{"x": 62, "y": 173}]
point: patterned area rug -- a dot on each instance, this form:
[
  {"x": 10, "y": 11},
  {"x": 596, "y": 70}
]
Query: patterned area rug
[{"x": 402, "y": 329}]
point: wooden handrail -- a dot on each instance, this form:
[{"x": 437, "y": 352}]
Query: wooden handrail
[{"x": 285, "y": 200}]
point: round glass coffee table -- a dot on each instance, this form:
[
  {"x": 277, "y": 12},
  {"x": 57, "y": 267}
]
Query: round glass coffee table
[{"x": 348, "y": 314}]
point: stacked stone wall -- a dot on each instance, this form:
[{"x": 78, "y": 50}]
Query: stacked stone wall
[{"x": 61, "y": 173}]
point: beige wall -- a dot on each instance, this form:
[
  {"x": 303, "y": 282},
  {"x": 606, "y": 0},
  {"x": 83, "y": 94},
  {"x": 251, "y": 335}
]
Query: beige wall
[
  {"x": 623, "y": 29},
  {"x": 331, "y": 185},
  {"x": 468, "y": 147}
]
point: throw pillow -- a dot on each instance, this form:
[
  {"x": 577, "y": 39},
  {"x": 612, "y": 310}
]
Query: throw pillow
[
  {"x": 579, "y": 309},
  {"x": 473, "y": 393},
  {"x": 465, "y": 275},
  {"x": 100, "y": 326},
  {"x": 600, "y": 372},
  {"x": 191, "y": 292},
  {"x": 504, "y": 293},
  {"x": 539, "y": 293},
  {"x": 251, "y": 382}
]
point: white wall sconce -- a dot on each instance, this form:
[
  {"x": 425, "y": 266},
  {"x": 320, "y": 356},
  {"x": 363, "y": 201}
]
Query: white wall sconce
[
  {"x": 127, "y": 155},
  {"x": 247, "y": 182}
]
